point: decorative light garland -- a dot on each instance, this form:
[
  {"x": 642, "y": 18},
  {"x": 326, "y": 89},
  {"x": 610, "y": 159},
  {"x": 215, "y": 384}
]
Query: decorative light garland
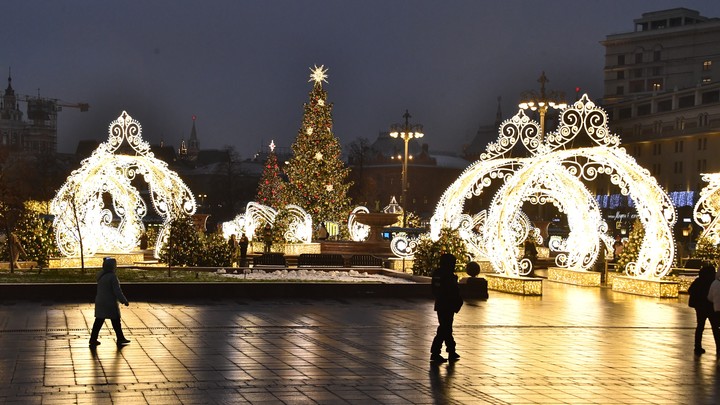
[
  {"x": 79, "y": 205},
  {"x": 707, "y": 208},
  {"x": 549, "y": 172}
]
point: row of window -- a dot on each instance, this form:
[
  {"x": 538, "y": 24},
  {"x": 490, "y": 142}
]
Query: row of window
[
  {"x": 665, "y": 105},
  {"x": 678, "y": 167},
  {"x": 679, "y": 146}
]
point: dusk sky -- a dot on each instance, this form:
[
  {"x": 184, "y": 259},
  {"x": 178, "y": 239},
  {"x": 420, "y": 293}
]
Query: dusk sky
[{"x": 242, "y": 67}]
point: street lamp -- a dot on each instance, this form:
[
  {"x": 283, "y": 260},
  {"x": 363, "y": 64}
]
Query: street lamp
[
  {"x": 542, "y": 102},
  {"x": 202, "y": 198},
  {"x": 406, "y": 132}
]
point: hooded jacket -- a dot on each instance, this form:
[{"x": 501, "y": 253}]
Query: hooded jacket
[
  {"x": 445, "y": 286},
  {"x": 714, "y": 294},
  {"x": 108, "y": 292}
]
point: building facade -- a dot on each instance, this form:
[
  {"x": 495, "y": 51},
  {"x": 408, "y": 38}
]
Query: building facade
[{"x": 662, "y": 94}]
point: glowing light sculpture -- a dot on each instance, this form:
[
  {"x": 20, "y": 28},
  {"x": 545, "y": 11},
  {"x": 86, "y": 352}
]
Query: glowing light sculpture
[
  {"x": 552, "y": 171},
  {"x": 707, "y": 208},
  {"x": 109, "y": 176},
  {"x": 358, "y": 232},
  {"x": 257, "y": 215}
]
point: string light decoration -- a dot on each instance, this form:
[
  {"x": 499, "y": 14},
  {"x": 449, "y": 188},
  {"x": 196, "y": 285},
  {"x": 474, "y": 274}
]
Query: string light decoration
[
  {"x": 552, "y": 173},
  {"x": 358, "y": 232},
  {"x": 707, "y": 208},
  {"x": 256, "y": 215},
  {"x": 80, "y": 208}
]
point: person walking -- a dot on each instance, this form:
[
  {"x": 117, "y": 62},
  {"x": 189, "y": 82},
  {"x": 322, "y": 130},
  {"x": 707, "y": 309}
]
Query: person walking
[
  {"x": 244, "y": 242},
  {"x": 106, "y": 302},
  {"x": 698, "y": 291},
  {"x": 233, "y": 245},
  {"x": 447, "y": 303}
]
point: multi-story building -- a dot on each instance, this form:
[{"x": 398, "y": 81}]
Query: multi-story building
[{"x": 662, "y": 94}]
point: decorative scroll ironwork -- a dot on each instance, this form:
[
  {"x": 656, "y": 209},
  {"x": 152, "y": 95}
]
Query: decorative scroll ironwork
[{"x": 80, "y": 207}]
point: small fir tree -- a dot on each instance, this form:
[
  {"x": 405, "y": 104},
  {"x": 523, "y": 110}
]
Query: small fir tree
[
  {"x": 631, "y": 249},
  {"x": 427, "y": 252},
  {"x": 271, "y": 188},
  {"x": 37, "y": 237},
  {"x": 215, "y": 252},
  {"x": 183, "y": 245},
  {"x": 317, "y": 175},
  {"x": 706, "y": 251}
]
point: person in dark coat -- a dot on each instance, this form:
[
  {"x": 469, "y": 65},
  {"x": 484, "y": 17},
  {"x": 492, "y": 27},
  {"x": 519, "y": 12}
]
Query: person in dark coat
[
  {"x": 106, "y": 302},
  {"x": 447, "y": 303},
  {"x": 699, "y": 290},
  {"x": 244, "y": 242}
]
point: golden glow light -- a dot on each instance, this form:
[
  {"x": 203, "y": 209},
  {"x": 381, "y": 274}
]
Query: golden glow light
[
  {"x": 107, "y": 176},
  {"x": 707, "y": 208},
  {"x": 553, "y": 174}
]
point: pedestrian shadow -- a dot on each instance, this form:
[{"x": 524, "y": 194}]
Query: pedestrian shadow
[{"x": 440, "y": 382}]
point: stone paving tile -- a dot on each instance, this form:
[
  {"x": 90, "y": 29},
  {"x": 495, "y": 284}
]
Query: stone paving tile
[{"x": 573, "y": 345}]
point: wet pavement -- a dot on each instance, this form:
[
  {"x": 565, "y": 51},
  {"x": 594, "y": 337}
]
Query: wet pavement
[{"x": 573, "y": 345}]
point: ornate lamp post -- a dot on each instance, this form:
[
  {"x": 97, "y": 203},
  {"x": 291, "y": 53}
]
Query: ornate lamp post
[
  {"x": 542, "y": 102},
  {"x": 406, "y": 132}
]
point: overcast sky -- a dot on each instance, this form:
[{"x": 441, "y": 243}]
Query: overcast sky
[{"x": 242, "y": 67}]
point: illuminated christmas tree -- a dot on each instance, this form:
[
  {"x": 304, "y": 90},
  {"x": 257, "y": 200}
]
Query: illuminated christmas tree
[
  {"x": 316, "y": 173},
  {"x": 271, "y": 188},
  {"x": 631, "y": 250}
]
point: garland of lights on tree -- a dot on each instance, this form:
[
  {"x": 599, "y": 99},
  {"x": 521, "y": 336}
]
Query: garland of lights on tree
[
  {"x": 536, "y": 179},
  {"x": 81, "y": 208},
  {"x": 316, "y": 173},
  {"x": 271, "y": 188}
]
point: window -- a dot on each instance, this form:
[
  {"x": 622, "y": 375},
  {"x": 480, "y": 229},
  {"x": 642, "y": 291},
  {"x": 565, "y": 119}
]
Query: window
[
  {"x": 686, "y": 101},
  {"x": 678, "y": 146},
  {"x": 656, "y": 169},
  {"x": 621, "y": 60},
  {"x": 637, "y": 86},
  {"x": 680, "y": 123},
  {"x": 656, "y": 56},
  {"x": 657, "y": 71},
  {"x": 711, "y": 97},
  {"x": 657, "y": 149},
  {"x": 703, "y": 120},
  {"x": 637, "y": 73},
  {"x": 621, "y": 74},
  {"x": 702, "y": 143},
  {"x": 664, "y": 105},
  {"x": 643, "y": 109},
  {"x": 655, "y": 84},
  {"x": 637, "y": 151},
  {"x": 638, "y": 58},
  {"x": 701, "y": 165},
  {"x": 706, "y": 80},
  {"x": 678, "y": 167},
  {"x": 707, "y": 65},
  {"x": 620, "y": 90}
]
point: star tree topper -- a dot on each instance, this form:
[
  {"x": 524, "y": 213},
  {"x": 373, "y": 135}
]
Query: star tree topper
[{"x": 318, "y": 74}]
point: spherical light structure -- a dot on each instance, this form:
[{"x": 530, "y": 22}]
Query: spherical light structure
[{"x": 99, "y": 203}]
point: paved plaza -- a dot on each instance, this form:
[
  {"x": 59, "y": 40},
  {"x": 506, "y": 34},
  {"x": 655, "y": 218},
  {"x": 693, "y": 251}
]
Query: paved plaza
[{"x": 573, "y": 345}]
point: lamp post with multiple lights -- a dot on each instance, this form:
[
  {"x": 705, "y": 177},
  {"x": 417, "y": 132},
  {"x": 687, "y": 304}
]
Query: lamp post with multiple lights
[
  {"x": 406, "y": 132},
  {"x": 542, "y": 102}
]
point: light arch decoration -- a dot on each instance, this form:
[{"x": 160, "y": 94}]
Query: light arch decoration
[
  {"x": 547, "y": 153},
  {"x": 299, "y": 229},
  {"x": 707, "y": 209},
  {"x": 101, "y": 201}
]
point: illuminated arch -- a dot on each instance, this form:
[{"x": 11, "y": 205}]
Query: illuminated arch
[
  {"x": 81, "y": 202},
  {"x": 654, "y": 207},
  {"x": 707, "y": 208}
]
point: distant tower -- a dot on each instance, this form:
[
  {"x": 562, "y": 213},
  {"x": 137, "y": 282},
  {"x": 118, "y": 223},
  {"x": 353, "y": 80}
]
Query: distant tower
[
  {"x": 193, "y": 147},
  {"x": 10, "y": 108}
]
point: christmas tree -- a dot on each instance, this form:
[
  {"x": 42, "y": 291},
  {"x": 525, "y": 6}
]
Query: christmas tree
[
  {"x": 271, "y": 188},
  {"x": 631, "y": 249},
  {"x": 183, "y": 245},
  {"x": 316, "y": 173}
]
